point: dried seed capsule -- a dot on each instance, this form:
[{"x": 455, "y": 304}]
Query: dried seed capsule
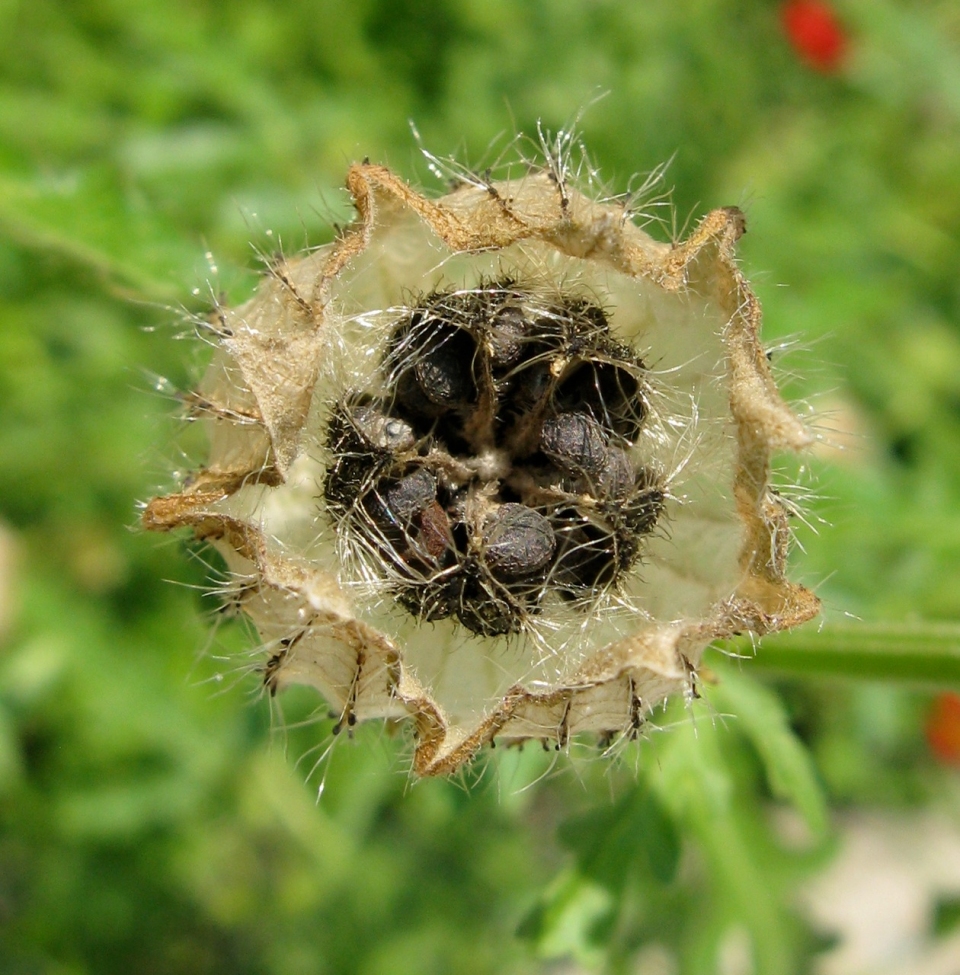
[
  {"x": 479, "y": 426},
  {"x": 576, "y": 442},
  {"x": 517, "y": 540}
]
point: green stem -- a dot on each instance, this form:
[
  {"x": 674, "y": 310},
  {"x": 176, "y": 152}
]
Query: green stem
[{"x": 909, "y": 653}]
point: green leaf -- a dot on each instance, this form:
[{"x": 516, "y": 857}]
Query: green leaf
[
  {"x": 610, "y": 842},
  {"x": 85, "y": 218},
  {"x": 692, "y": 778},
  {"x": 763, "y": 720},
  {"x": 568, "y": 919}
]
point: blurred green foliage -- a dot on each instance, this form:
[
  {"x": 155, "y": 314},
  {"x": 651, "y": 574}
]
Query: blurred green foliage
[{"x": 150, "y": 823}]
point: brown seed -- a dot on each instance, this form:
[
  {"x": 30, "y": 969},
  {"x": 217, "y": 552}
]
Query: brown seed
[{"x": 435, "y": 533}]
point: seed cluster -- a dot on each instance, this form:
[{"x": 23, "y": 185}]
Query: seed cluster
[{"x": 496, "y": 467}]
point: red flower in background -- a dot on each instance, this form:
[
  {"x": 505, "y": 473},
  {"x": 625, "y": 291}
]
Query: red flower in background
[
  {"x": 943, "y": 728},
  {"x": 815, "y": 33}
]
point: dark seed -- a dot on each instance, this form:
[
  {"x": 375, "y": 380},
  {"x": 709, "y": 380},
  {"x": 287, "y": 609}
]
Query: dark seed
[
  {"x": 403, "y": 500},
  {"x": 508, "y": 328},
  {"x": 431, "y": 365},
  {"x": 410, "y": 396},
  {"x": 616, "y": 478},
  {"x": 576, "y": 442},
  {"x": 443, "y": 372},
  {"x": 517, "y": 540}
]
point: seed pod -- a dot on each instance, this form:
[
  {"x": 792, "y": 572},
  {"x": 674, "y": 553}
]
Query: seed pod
[
  {"x": 517, "y": 541},
  {"x": 487, "y": 401}
]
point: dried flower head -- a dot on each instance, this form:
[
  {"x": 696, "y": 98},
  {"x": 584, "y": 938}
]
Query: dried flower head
[{"x": 497, "y": 462}]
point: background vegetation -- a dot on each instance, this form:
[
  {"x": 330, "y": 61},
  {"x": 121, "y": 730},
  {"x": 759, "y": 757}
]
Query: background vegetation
[{"x": 150, "y": 823}]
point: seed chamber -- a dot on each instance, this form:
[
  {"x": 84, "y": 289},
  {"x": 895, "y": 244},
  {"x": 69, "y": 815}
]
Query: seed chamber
[{"x": 493, "y": 472}]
